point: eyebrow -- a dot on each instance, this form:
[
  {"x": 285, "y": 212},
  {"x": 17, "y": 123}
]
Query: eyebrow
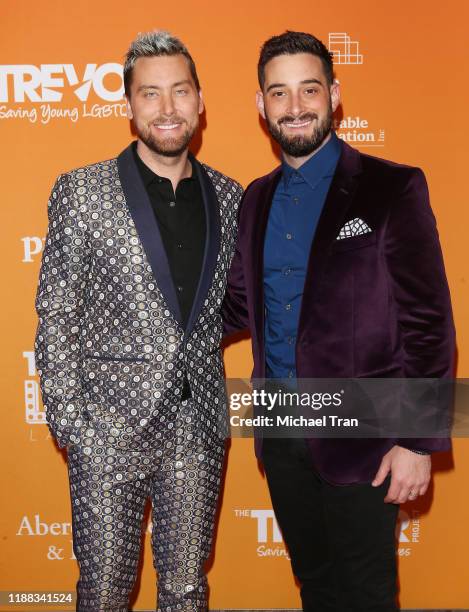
[
  {"x": 184, "y": 82},
  {"x": 305, "y": 82},
  {"x": 178, "y": 84}
]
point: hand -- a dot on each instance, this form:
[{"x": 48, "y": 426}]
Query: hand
[{"x": 410, "y": 474}]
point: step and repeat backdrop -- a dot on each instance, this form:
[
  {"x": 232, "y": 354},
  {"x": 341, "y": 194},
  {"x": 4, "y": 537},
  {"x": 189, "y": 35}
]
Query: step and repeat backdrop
[{"x": 401, "y": 66}]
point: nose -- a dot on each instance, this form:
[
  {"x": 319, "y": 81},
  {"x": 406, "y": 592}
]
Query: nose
[
  {"x": 294, "y": 104},
  {"x": 167, "y": 104}
]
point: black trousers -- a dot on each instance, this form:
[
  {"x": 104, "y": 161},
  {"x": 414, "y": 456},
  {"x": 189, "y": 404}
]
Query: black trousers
[{"x": 341, "y": 539}]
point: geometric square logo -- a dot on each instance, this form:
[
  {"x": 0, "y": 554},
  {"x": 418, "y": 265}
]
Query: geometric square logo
[
  {"x": 34, "y": 414},
  {"x": 345, "y": 50}
]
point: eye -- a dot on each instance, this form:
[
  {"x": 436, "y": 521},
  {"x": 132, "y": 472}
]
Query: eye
[
  {"x": 278, "y": 94},
  {"x": 149, "y": 94},
  {"x": 311, "y": 90},
  {"x": 181, "y": 92}
]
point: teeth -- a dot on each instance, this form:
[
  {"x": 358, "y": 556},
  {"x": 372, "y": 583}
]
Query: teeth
[
  {"x": 168, "y": 127},
  {"x": 298, "y": 125}
]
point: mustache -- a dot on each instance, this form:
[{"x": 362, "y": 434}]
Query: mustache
[
  {"x": 168, "y": 120},
  {"x": 292, "y": 119}
]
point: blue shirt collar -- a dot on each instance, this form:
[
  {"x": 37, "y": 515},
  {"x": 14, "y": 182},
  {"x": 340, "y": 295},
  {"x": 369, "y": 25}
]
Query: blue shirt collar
[{"x": 319, "y": 166}]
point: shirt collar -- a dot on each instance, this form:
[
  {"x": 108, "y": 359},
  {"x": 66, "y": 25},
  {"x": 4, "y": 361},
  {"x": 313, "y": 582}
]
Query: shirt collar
[
  {"x": 147, "y": 174},
  {"x": 317, "y": 167}
]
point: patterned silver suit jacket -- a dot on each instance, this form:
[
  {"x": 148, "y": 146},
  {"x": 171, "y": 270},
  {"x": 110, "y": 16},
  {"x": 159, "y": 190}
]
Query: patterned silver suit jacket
[{"x": 110, "y": 348}]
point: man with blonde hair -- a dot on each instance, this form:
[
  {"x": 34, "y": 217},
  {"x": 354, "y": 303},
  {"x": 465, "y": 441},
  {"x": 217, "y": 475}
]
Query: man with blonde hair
[{"x": 132, "y": 280}]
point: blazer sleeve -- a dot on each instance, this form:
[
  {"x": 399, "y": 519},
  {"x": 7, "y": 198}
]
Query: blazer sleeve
[
  {"x": 421, "y": 297},
  {"x": 234, "y": 309},
  {"x": 60, "y": 305}
]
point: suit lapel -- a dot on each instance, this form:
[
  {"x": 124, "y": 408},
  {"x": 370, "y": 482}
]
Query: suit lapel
[
  {"x": 333, "y": 216},
  {"x": 212, "y": 241},
  {"x": 147, "y": 227}
]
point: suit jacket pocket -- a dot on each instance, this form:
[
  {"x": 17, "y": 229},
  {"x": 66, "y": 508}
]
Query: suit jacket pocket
[{"x": 355, "y": 242}]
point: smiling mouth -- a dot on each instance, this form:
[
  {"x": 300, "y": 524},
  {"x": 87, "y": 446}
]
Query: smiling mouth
[
  {"x": 167, "y": 126},
  {"x": 297, "y": 124}
]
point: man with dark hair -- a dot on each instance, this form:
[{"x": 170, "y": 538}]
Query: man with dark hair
[
  {"x": 128, "y": 344},
  {"x": 292, "y": 43},
  {"x": 338, "y": 273}
]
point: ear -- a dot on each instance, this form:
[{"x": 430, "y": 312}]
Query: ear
[
  {"x": 260, "y": 103},
  {"x": 130, "y": 114},
  {"x": 335, "y": 95},
  {"x": 201, "y": 103}
]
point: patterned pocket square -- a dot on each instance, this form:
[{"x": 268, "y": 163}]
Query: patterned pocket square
[{"x": 354, "y": 227}]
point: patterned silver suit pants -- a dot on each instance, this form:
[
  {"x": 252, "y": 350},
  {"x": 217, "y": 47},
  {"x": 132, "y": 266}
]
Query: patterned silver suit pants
[{"x": 109, "y": 490}]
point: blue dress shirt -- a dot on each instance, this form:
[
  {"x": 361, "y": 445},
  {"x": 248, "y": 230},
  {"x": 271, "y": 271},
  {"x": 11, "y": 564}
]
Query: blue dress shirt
[{"x": 296, "y": 207}]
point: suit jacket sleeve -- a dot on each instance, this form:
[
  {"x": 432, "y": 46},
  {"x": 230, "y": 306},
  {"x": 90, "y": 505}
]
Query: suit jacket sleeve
[
  {"x": 421, "y": 295},
  {"x": 235, "y": 310},
  {"x": 60, "y": 304}
]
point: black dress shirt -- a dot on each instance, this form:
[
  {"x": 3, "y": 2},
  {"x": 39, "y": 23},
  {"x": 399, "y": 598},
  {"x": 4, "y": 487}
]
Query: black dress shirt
[
  {"x": 182, "y": 224},
  {"x": 181, "y": 221}
]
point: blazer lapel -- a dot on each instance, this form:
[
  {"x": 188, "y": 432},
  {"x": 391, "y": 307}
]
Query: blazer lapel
[
  {"x": 338, "y": 201},
  {"x": 147, "y": 227},
  {"x": 212, "y": 241}
]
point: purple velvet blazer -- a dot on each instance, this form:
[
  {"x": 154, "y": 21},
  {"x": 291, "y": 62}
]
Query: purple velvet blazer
[{"x": 374, "y": 305}]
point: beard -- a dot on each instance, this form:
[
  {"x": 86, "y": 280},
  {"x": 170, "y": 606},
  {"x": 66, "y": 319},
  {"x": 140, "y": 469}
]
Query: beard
[
  {"x": 169, "y": 147},
  {"x": 301, "y": 145}
]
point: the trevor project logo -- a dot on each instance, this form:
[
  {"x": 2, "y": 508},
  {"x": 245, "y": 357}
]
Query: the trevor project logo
[
  {"x": 268, "y": 536},
  {"x": 46, "y": 83},
  {"x": 44, "y": 93},
  {"x": 345, "y": 49},
  {"x": 407, "y": 532}
]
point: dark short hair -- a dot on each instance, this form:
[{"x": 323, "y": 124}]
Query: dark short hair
[
  {"x": 291, "y": 43},
  {"x": 155, "y": 44}
]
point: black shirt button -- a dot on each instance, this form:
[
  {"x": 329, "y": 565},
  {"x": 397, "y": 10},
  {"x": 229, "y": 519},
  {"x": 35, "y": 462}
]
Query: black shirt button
[
  {"x": 179, "y": 246},
  {"x": 179, "y": 288}
]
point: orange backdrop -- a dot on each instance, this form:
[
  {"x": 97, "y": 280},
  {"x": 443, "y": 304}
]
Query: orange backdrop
[{"x": 404, "y": 94}]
